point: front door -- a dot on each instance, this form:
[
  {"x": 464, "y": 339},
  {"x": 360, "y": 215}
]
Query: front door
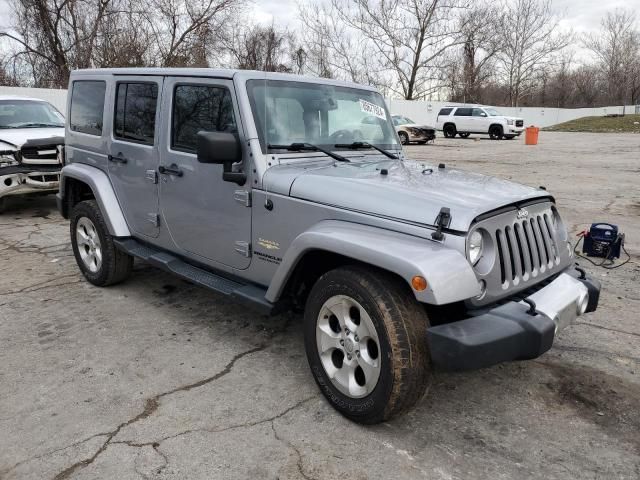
[
  {"x": 480, "y": 120},
  {"x": 206, "y": 216},
  {"x": 133, "y": 150}
]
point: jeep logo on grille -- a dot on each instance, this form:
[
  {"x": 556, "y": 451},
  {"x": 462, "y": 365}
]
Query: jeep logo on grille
[{"x": 522, "y": 214}]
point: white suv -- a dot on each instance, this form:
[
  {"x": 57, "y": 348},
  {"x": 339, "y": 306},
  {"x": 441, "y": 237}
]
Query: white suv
[{"x": 470, "y": 119}]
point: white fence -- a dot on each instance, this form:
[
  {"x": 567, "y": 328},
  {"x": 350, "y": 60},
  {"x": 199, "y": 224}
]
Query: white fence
[
  {"x": 57, "y": 98},
  {"x": 425, "y": 112},
  {"x": 419, "y": 111}
]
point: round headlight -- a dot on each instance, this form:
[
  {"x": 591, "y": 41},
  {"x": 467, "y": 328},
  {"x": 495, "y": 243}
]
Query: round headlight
[{"x": 475, "y": 247}]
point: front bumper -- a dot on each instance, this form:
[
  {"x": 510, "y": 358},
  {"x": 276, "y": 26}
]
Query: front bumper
[
  {"x": 422, "y": 136},
  {"x": 20, "y": 181},
  {"x": 512, "y": 331}
]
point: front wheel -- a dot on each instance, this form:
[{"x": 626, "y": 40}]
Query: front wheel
[
  {"x": 97, "y": 257},
  {"x": 404, "y": 138},
  {"x": 365, "y": 338},
  {"x": 464, "y": 134},
  {"x": 495, "y": 132}
]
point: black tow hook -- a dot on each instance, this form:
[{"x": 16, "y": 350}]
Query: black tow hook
[
  {"x": 532, "y": 306},
  {"x": 583, "y": 274}
]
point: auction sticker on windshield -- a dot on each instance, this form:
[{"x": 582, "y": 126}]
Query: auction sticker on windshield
[{"x": 372, "y": 109}]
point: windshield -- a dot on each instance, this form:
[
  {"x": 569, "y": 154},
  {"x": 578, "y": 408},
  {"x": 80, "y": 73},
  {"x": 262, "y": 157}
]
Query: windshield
[
  {"x": 29, "y": 114},
  {"x": 319, "y": 114},
  {"x": 492, "y": 112},
  {"x": 404, "y": 121}
]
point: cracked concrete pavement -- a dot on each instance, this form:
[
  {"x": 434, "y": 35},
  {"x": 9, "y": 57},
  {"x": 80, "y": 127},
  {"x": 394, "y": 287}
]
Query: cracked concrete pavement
[{"x": 156, "y": 378}]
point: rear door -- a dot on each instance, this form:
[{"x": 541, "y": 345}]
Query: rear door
[
  {"x": 462, "y": 117},
  {"x": 133, "y": 150}
]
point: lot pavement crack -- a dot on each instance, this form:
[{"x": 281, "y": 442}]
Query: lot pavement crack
[
  {"x": 596, "y": 352},
  {"x": 300, "y": 461},
  {"x": 52, "y": 452},
  {"x": 157, "y": 442},
  {"x": 594, "y": 325},
  {"x": 44, "y": 284},
  {"x": 151, "y": 405}
]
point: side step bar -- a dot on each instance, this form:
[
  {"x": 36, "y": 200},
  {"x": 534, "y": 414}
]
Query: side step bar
[{"x": 247, "y": 294}]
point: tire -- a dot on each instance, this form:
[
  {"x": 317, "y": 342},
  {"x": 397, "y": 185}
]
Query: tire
[
  {"x": 464, "y": 134},
  {"x": 404, "y": 138},
  {"x": 394, "y": 348},
  {"x": 3, "y": 204},
  {"x": 495, "y": 132},
  {"x": 449, "y": 130},
  {"x": 99, "y": 260}
]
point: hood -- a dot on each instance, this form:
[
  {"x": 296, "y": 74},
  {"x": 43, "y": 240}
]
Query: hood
[
  {"x": 11, "y": 138},
  {"x": 405, "y": 192}
]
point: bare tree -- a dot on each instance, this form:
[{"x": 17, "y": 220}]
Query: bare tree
[
  {"x": 473, "y": 63},
  {"x": 55, "y": 36},
  {"x": 530, "y": 36},
  {"x": 406, "y": 39},
  {"x": 617, "y": 50},
  {"x": 260, "y": 48},
  {"x": 182, "y": 32}
]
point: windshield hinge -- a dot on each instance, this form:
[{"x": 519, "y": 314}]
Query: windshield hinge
[
  {"x": 243, "y": 248},
  {"x": 243, "y": 197},
  {"x": 443, "y": 220}
]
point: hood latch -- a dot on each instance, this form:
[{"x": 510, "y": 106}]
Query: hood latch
[{"x": 443, "y": 220}]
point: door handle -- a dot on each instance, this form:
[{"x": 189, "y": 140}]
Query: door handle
[
  {"x": 118, "y": 159},
  {"x": 170, "y": 170}
]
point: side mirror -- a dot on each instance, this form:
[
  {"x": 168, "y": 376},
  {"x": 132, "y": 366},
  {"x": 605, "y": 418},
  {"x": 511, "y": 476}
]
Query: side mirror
[
  {"x": 218, "y": 147},
  {"x": 221, "y": 148}
]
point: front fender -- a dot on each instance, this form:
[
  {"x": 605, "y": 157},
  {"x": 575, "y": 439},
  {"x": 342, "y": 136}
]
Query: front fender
[
  {"x": 449, "y": 276},
  {"x": 99, "y": 183}
]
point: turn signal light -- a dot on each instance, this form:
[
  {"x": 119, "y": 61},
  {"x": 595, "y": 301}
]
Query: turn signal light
[{"x": 419, "y": 283}]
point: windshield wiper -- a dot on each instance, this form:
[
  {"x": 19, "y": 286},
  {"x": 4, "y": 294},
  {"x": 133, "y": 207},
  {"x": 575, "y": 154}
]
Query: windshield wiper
[
  {"x": 300, "y": 147},
  {"x": 357, "y": 145},
  {"x": 35, "y": 124}
]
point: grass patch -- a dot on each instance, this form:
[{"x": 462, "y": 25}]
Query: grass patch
[{"x": 625, "y": 124}]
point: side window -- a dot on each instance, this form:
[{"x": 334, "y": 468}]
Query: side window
[
  {"x": 445, "y": 111},
  {"x": 463, "y": 112},
  {"x": 87, "y": 106},
  {"x": 196, "y": 108},
  {"x": 478, "y": 112},
  {"x": 135, "y": 116}
]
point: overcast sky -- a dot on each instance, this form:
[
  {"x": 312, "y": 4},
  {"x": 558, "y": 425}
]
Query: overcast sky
[{"x": 580, "y": 15}]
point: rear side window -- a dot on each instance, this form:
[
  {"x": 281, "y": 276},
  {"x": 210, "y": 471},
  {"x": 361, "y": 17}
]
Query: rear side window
[
  {"x": 463, "y": 112},
  {"x": 478, "y": 112},
  {"x": 445, "y": 111},
  {"x": 87, "y": 106},
  {"x": 196, "y": 108},
  {"x": 135, "y": 116}
]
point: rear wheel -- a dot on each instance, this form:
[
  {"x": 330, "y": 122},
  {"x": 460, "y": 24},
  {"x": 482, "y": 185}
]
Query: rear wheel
[
  {"x": 404, "y": 138},
  {"x": 495, "y": 132},
  {"x": 99, "y": 260},
  {"x": 464, "y": 134},
  {"x": 449, "y": 130},
  {"x": 365, "y": 338}
]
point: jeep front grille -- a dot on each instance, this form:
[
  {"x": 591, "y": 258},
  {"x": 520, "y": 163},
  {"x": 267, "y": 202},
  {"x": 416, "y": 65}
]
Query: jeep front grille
[{"x": 526, "y": 248}]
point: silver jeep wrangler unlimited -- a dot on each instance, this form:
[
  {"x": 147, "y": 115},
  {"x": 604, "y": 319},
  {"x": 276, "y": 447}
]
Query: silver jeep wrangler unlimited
[{"x": 288, "y": 192}]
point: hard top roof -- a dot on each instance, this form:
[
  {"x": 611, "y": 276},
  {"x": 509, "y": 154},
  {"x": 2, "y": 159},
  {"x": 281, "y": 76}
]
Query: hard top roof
[{"x": 215, "y": 73}]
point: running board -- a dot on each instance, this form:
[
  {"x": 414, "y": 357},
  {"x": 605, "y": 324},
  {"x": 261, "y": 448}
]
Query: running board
[{"x": 247, "y": 294}]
